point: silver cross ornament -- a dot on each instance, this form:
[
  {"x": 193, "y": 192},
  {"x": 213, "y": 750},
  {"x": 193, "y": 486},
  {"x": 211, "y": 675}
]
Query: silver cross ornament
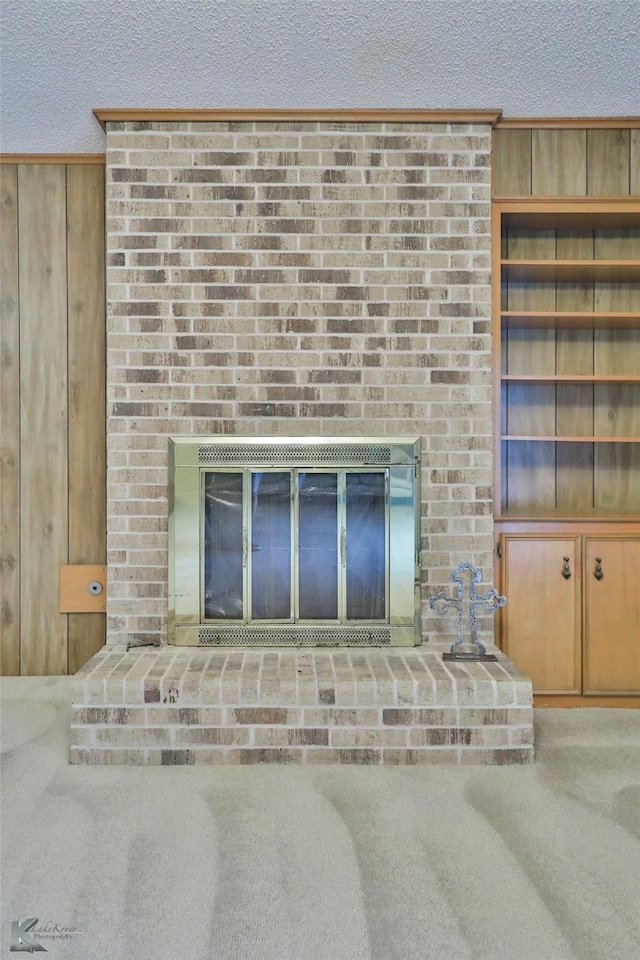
[{"x": 442, "y": 603}]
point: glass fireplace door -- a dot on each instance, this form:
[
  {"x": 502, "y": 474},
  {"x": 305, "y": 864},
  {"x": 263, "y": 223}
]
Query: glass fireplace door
[
  {"x": 283, "y": 541},
  {"x": 269, "y": 535},
  {"x": 365, "y": 545},
  {"x": 224, "y": 553},
  {"x": 318, "y": 571},
  {"x": 296, "y": 546}
]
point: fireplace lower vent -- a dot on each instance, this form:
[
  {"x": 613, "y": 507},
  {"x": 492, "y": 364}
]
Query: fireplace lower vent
[{"x": 293, "y": 636}]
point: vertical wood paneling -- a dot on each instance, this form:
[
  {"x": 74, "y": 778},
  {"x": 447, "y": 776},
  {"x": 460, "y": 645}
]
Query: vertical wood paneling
[
  {"x": 559, "y": 162},
  {"x": 9, "y": 425},
  {"x": 566, "y": 162},
  {"x": 608, "y": 162},
  {"x": 634, "y": 151},
  {"x": 87, "y": 493},
  {"x": 43, "y": 413},
  {"x": 512, "y": 162},
  {"x": 52, "y": 409}
]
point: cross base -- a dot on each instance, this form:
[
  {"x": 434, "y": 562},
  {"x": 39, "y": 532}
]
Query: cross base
[{"x": 470, "y": 656}]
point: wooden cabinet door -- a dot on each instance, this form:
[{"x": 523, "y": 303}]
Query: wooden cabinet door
[
  {"x": 612, "y": 615},
  {"x": 541, "y": 624}
]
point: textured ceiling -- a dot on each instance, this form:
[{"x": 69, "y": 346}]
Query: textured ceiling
[{"x": 61, "y": 58}]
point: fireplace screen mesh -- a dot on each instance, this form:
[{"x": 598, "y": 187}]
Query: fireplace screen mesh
[{"x": 276, "y": 550}]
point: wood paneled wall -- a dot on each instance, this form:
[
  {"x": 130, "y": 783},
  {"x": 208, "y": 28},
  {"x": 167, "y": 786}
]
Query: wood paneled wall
[
  {"x": 52, "y": 413},
  {"x": 52, "y": 419},
  {"x": 571, "y": 162}
]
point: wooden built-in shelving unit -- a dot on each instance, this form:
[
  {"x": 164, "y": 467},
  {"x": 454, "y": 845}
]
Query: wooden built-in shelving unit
[
  {"x": 566, "y": 303},
  {"x": 567, "y": 392},
  {"x": 567, "y": 356}
]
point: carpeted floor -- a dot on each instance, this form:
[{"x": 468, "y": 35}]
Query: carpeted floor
[{"x": 323, "y": 863}]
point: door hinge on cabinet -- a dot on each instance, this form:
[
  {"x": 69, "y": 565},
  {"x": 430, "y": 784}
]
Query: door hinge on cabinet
[{"x": 499, "y": 550}]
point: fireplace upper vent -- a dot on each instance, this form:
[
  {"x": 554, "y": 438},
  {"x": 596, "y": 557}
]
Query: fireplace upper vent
[{"x": 298, "y": 453}]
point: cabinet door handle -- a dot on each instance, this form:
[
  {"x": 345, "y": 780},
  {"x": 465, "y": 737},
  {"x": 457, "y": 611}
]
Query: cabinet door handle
[
  {"x": 566, "y": 570},
  {"x": 599, "y": 574}
]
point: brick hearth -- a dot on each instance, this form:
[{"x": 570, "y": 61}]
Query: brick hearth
[{"x": 192, "y": 705}]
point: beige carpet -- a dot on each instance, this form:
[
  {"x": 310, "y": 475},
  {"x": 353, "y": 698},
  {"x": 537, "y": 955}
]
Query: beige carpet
[{"x": 335, "y": 863}]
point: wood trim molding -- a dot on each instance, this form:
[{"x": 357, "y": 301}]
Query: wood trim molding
[
  {"x": 566, "y": 701},
  {"x": 566, "y": 203},
  {"x": 63, "y": 158},
  {"x": 105, "y": 115},
  {"x": 567, "y": 123},
  {"x": 179, "y": 114}
]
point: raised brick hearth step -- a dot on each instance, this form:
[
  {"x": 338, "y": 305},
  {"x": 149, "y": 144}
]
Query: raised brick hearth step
[{"x": 181, "y": 705}]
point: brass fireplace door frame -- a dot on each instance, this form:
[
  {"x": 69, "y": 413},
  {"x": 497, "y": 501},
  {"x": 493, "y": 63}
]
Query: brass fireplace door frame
[{"x": 190, "y": 458}]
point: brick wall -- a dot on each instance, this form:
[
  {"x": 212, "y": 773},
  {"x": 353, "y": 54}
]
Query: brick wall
[{"x": 296, "y": 278}]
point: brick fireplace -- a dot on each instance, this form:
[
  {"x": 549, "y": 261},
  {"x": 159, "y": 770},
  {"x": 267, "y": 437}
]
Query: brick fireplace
[{"x": 298, "y": 278}]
